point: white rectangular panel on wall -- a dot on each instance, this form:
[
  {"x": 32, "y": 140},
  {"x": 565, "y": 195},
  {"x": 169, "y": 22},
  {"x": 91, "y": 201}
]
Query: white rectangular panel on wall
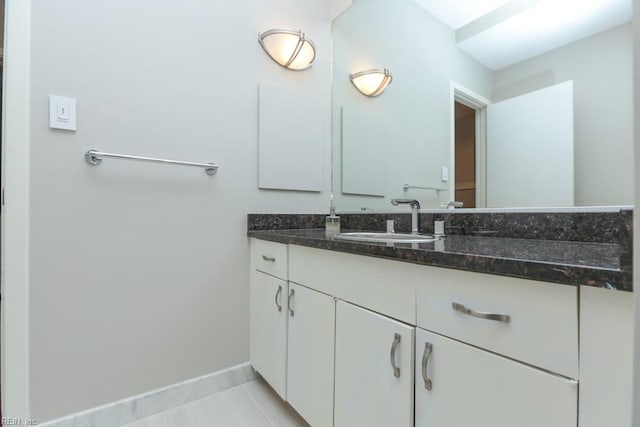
[
  {"x": 291, "y": 135},
  {"x": 365, "y": 151},
  {"x": 530, "y": 149}
]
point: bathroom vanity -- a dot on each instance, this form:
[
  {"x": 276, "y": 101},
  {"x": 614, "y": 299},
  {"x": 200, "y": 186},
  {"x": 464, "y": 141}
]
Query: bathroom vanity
[{"x": 377, "y": 334}]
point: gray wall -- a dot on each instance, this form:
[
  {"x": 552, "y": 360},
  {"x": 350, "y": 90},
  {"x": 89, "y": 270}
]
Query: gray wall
[
  {"x": 601, "y": 68},
  {"x": 139, "y": 273}
]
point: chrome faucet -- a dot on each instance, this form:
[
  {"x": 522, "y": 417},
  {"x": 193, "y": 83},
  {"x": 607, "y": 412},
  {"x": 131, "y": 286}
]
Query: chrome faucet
[
  {"x": 452, "y": 204},
  {"x": 415, "y": 210}
]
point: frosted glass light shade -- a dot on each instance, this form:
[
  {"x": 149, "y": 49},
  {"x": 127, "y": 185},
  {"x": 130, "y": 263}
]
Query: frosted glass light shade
[
  {"x": 289, "y": 48},
  {"x": 371, "y": 82}
]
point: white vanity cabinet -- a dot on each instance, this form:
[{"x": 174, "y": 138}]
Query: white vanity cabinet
[
  {"x": 352, "y": 340},
  {"x": 292, "y": 332},
  {"x": 374, "y": 369},
  {"x": 460, "y": 385},
  {"x": 268, "y": 312}
]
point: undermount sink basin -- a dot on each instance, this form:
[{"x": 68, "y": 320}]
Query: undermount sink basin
[{"x": 386, "y": 237}]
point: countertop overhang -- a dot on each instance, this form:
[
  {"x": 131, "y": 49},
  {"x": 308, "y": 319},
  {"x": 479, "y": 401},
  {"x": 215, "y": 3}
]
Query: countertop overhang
[{"x": 565, "y": 262}]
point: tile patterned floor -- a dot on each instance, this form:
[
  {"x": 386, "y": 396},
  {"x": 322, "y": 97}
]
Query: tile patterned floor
[{"x": 248, "y": 405}]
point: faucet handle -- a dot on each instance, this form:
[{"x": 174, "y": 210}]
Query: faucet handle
[
  {"x": 452, "y": 204},
  {"x": 412, "y": 202}
]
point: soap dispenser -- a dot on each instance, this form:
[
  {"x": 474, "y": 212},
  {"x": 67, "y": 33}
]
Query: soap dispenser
[{"x": 332, "y": 221}]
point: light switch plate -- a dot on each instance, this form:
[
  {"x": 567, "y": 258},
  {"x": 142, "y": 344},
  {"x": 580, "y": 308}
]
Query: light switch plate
[
  {"x": 444, "y": 174},
  {"x": 62, "y": 112}
]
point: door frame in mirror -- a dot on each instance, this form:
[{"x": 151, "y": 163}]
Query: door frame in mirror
[{"x": 479, "y": 103}]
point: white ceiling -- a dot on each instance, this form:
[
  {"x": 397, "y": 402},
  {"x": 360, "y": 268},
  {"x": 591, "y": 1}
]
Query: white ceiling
[
  {"x": 456, "y": 13},
  {"x": 499, "y": 34},
  {"x": 339, "y": 6}
]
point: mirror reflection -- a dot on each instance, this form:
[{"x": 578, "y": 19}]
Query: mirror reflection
[{"x": 520, "y": 104}]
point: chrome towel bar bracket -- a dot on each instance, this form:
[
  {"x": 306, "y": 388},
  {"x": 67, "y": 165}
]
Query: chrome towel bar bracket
[{"x": 95, "y": 157}]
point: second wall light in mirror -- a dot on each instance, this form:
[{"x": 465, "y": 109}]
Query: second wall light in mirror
[{"x": 372, "y": 82}]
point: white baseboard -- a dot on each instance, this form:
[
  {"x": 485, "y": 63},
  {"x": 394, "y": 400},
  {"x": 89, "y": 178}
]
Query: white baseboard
[{"x": 143, "y": 405}]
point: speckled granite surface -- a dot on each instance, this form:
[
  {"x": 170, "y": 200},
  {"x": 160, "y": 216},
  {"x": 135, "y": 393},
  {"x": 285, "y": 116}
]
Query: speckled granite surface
[
  {"x": 590, "y": 249},
  {"x": 597, "y": 227}
]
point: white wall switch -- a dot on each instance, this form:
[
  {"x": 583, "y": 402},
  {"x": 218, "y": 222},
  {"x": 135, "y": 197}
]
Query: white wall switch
[
  {"x": 444, "y": 174},
  {"x": 62, "y": 112}
]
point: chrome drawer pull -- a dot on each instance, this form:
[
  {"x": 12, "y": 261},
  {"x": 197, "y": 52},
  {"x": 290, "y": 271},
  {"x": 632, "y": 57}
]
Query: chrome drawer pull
[
  {"x": 428, "y": 349},
  {"x": 268, "y": 258},
  {"x": 278, "y": 298},
  {"x": 291, "y": 293},
  {"x": 394, "y": 347},
  {"x": 479, "y": 314}
]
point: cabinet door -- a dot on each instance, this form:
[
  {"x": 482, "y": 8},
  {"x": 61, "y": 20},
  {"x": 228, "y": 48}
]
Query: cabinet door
[
  {"x": 310, "y": 354},
  {"x": 374, "y": 369},
  {"x": 268, "y": 329},
  {"x": 472, "y": 387},
  {"x": 606, "y": 323}
]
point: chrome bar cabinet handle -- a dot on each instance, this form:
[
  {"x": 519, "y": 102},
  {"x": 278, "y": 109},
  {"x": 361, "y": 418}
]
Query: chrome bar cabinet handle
[
  {"x": 479, "y": 314},
  {"x": 394, "y": 348},
  {"x": 428, "y": 350},
  {"x": 290, "y": 301},
  {"x": 269, "y": 258},
  {"x": 278, "y": 293}
]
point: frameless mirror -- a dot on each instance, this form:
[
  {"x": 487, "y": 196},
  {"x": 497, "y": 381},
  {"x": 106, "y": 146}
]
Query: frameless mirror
[{"x": 496, "y": 109}]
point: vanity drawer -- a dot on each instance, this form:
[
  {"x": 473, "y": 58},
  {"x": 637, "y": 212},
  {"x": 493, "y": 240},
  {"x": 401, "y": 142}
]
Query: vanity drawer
[
  {"x": 542, "y": 324},
  {"x": 383, "y": 286},
  {"x": 269, "y": 257}
]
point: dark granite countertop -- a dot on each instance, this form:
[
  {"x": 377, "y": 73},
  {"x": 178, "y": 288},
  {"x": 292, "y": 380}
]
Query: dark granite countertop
[{"x": 567, "y": 262}]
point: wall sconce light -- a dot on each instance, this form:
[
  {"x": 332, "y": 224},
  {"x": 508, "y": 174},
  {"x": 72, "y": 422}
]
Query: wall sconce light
[
  {"x": 371, "y": 82},
  {"x": 290, "y": 49}
]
